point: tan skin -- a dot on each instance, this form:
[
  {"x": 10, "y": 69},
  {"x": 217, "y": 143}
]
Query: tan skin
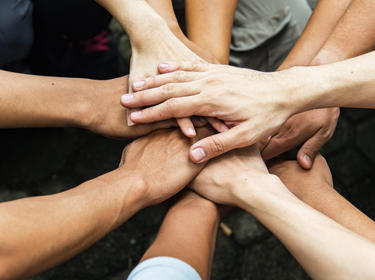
[
  {"x": 315, "y": 188},
  {"x": 36, "y": 101},
  {"x": 324, "y": 248},
  {"x": 192, "y": 234},
  {"x": 146, "y": 176}
]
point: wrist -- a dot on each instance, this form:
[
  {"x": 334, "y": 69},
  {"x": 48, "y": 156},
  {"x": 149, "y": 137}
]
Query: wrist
[
  {"x": 89, "y": 112},
  {"x": 148, "y": 33},
  {"x": 251, "y": 193},
  {"x": 128, "y": 193}
]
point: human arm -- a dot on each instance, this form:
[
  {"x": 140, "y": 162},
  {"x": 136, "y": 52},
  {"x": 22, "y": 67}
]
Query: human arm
[
  {"x": 325, "y": 249},
  {"x": 315, "y": 188},
  {"x": 201, "y": 20},
  {"x": 192, "y": 234},
  {"x": 41, "y": 232},
  {"x": 321, "y": 24},
  {"x": 36, "y": 101},
  {"x": 255, "y": 103}
]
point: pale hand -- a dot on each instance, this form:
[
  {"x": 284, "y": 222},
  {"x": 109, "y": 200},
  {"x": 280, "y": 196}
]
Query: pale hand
[{"x": 248, "y": 101}]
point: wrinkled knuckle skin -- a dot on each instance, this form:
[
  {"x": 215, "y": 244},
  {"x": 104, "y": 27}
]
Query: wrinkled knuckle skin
[
  {"x": 169, "y": 106},
  {"x": 150, "y": 82},
  {"x": 167, "y": 89},
  {"x": 179, "y": 76},
  {"x": 216, "y": 146}
]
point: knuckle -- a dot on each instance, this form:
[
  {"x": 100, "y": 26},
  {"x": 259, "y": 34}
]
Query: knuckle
[
  {"x": 179, "y": 76},
  {"x": 169, "y": 105},
  {"x": 167, "y": 89},
  {"x": 151, "y": 81},
  {"x": 217, "y": 145}
]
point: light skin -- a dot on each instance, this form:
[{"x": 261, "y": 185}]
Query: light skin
[
  {"x": 200, "y": 21},
  {"x": 146, "y": 176},
  {"x": 337, "y": 30},
  {"x": 314, "y": 128},
  {"x": 192, "y": 234},
  {"x": 152, "y": 41},
  {"x": 315, "y": 240},
  {"x": 256, "y": 104}
]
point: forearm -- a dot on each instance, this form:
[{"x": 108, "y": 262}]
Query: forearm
[
  {"x": 137, "y": 18},
  {"x": 36, "y": 101},
  {"x": 329, "y": 202},
  {"x": 41, "y": 232},
  {"x": 201, "y": 21},
  {"x": 354, "y": 34},
  {"x": 324, "y": 248},
  {"x": 348, "y": 83},
  {"x": 326, "y": 15},
  {"x": 192, "y": 234}
]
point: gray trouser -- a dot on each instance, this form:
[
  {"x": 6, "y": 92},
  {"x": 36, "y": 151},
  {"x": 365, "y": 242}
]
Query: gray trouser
[{"x": 16, "y": 32}]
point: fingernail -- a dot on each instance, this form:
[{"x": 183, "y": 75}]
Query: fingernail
[
  {"x": 191, "y": 132},
  {"x": 164, "y": 66},
  {"x": 135, "y": 115},
  {"x": 307, "y": 159},
  {"x": 138, "y": 84},
  {"x": 126, "y": 98},
  {"x": 198, "y": 154}
]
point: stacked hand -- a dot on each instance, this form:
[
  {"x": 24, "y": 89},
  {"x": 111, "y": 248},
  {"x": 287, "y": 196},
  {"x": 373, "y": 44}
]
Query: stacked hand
[
  {"x": 253, "y": 104},
  {"x": 145, "y": 60},
  {"x": 159, "y": 163}
]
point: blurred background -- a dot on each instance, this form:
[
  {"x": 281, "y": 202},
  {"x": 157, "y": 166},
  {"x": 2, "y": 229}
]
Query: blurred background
[{"x": 45, "y": 161}]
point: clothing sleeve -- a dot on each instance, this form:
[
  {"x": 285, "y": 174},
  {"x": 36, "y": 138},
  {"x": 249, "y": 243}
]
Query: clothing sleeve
[{"x": 164, "y": 268}]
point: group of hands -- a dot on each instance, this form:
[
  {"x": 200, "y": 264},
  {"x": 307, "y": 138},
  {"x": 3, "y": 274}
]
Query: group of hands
[{"x": 245, "y": 107}]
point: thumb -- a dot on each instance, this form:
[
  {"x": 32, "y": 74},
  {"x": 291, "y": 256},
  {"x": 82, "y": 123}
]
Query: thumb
[
  {"x": 218, "y": 144},
  {"x": 307, "y": 153}
]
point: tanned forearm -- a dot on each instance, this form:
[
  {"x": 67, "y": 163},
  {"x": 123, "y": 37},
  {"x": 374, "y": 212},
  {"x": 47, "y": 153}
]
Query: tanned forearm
[
  {"x": 36, "y": 101},
  {"x": 211, "y": 30},
  {"x": 78, "y": 217},
  {"x": 354, "y": 34},
  {"x": 192, "y": 234},
  {"x": 323, "y": 21}
]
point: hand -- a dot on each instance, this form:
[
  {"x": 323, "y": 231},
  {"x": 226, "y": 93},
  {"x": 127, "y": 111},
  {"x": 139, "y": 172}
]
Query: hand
[
  {"x": 104, "y": 114},
  {"x": 314, "y": 180},
  {"x": 312, "y": 129},
  {"x": 226, "y": 178},
  {"x": 247, "y": 100},
  {"x": 159, "y": 161},
  {"x": 145, "y": 59}
]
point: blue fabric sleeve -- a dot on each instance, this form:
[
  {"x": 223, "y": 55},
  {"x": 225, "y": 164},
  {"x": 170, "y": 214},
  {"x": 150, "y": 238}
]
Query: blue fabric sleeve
[{"x": 164, "y": 268}]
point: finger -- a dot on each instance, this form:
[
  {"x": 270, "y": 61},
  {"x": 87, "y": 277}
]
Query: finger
[
  {"x": 172, "y": 108},
  {"x": 199, "y": 121},
  {"x": 218, "y": 144},
  {"x": 187, "y": 127},
  {"x": 166, "y": 67},
  {"x": 307, "y": 153},
  {"x": 264, "y": 142},
  {"x": 218, "y": 125},
  {"x": 159, "y": 80},
  {"x": 283, "y": 142},
  {"x": 158, "y": 95}
]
